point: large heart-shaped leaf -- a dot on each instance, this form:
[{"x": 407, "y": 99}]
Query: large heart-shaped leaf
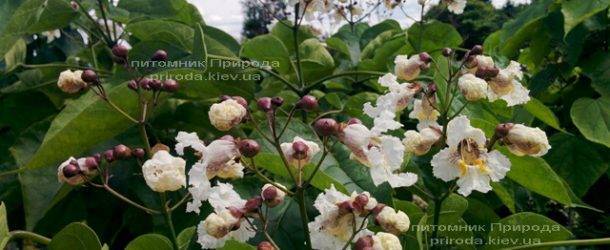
[
  {"x": 592, "y": 118},
  {"x": 267, "y": 50},
  {"x": 150, "y": 242},
  {"x": 525, "y": 229},
  {"x": 75, "y": 236}
]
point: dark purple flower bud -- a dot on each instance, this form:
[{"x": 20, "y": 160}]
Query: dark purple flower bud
[
  {"x": 476, "y": 50},
  {"x": 308, "y": 103},
  {"x": 503, "y": 129},
  {"x": 122, "y": 152},
  {"x": 74, "y": 5},
  {"x": 447, "y": 52},
  {"x": 326, "y": 126},
  {"x": 91, "y": 163},
  {"x": 98, "y": 157},
  {"x": 70, "y": 170},
  {"x": 269, "y": 193},
  {"x": 89, "y": 76},
  {"x": 156, "y": 84},
  {"x": 364, "y": 243},
  {"x": 486, "y": 73},
  {"x": 253, "y": 204},
  {"x": 425, "y": 57},
  {"x": 109, "y": 155},
  {"x": 159, "y": 55},
  {"x": 145, "y": 83},
  {"x": 277, "y": 101},
  {"x": 236, "y": 212},
  {"x": 264, "y": 104},
  {"x": 139, "y": 153},
  {"x": 432, "y": 89},
  {"x": 241, "y": 101},
  {"x": 120, "y": 51},
  {"x": 249, "y": 147},
  {"x": 345, "y": 207},
  {"x": 360, "y": 202},
  {"x": 300, "y": 150},
  {"x": 171, "y": 85},
  {"x": 133, "y": 85},
  {"x": 378, "y": 208}
]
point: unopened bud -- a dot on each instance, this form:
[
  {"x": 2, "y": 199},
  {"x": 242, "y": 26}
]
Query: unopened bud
[
  {"x": 89, "y": 76},
  {"x": 360, "y": 202},
  {"x": 159, "y": 55},
  {"x": 253, "y": 204},
  {"x": 249, "y": 148},
  {"x": 377, "y": 209},
  {"x": 277, "y": 101},
  {"x": 300, "y": 150},
  {"x": 326, "y": 126},
  {"x": 352, "y": 121},
  {"x": 74, "y": 5},
  {"x": 308, "y": 103},
  {"x": 227, "y": 138},
  {"x": 364, "y": 243},
  {"x": 120, "y": 51},
  {"x": 156, "y": 84},
  {"x": 139, "y": 153},
  {"x": 269, "y": 193},
  {"x": 476, "y": 50},
  {"x": 345, "y": 207},
  {"x": 236, "y": 212},
  {"x": 487, "y": 73},
  {"x": 432, "y": 89},
  {"x": 425, "y": 57},
  {"x": 145, "y": 83},
  {"x": 91, "y": 163},
  {"x": 447, "y": 52},
  {"x": 171, "y": 85},
  {"x": 98, "y": 157},
  {"x": 122, "y": 152},
  {"x": 109, "y": 155},
  {"x": 264, "y": 104},
  {"x": 265, "y": 245},
  {"x": 133, "y": 85},
  {"x": 70, "y": 170},
  {"x": 503, "y": 129},
  {"x": 241, "y": 101}
]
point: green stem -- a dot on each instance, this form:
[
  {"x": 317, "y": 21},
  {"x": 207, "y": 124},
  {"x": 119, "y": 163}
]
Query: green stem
[
  {"x": 438, "y": 203},
  {"x": 168, "y": 219},
  {"x": 295, "y": 36},
  {"x": 586, "y": 242},
  {"x": 342, "y": 74},
  {"x": 29, "y": 236},
  {"x": 11, "y": 172},
  {"x": 304, "y": 219},
  {"x": 125, "y": 199},
  {"x": 122, "y": 112}
]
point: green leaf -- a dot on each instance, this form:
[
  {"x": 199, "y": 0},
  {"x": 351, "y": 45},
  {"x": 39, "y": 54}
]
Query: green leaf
[
  {"x": 543, "y": 113},
  {"x": 200, "y": 51},
  {"x": 176, "y": 10},
  {"x": 536, "y": 175},
  {"x": 75, "y": 236},
  {"x": 150, "y": 242},
  {"x": 505, "y": 195},
  {"x": 434, "y": 35},
  {"x": 34, "y": 16},
  {"x": 592, "y": 118},
  {"x": 285, "y": 35},
  {"x": 236, "y": 245},
  {"x": 85, "y": 122},
  {"x": 269, "y": 50},
  {"x": 518, "y": 229},
  {"x": 597, "y": 67},
  {"x": 174, "y": 33},
  {"x": 273, "y": 163},
  {"x": 4, "y": 231},
  {"x": 372, "y": 32},
  {"x": 577, "y": 161},
  {"x": 184, "y": 238},
  {"x": 16, "y": 55},
  {"x": 574, "y": 11}
]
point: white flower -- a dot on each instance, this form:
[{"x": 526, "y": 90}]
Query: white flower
[
  {"x": 219, "y": 227},
  {"x": 77, "y": 178},
  {"x": 386, "y": 241},
  {"x": 392, "y": 221},
  {"x": 220, "y": 159},
  {"x": 299, "y": 152},
  {"x": 420, "y": 143},
  {"x": 507, "y": 86},
  {"x": 70, "y": 81},
  {"x": 405, "y": 91},
  {"x": 472, "y": 87},
  {"x": 224, "y": 196},
  {"x": 425, "y": 113},
  {"x": 51, "y": 35},
  {"x": 522, "y": 140},
  {"x": 164, "y": 172},
  {"x": 382, "y": 154},
  {"x": 408, "y": 68},
  {"x": 332, "y": 228},
  {"x": 385, "y": 160},
  {"x": 185, "y": 139},
  {"x": 467, "y": 159},
  {"x": 456, "y": 6},
  {"x": 227, "y": 114}
]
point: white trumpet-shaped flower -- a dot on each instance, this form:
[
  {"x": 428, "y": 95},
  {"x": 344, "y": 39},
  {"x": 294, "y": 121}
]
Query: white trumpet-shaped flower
[
  {"x": 467, "y": 159},
  {"x": 425, "y": 113},
  {"x": 507, "y": 86}
]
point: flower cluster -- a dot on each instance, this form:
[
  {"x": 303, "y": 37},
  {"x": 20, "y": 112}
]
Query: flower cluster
[{"x": 342, "y": 215}]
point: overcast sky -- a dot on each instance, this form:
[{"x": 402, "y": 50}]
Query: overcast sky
[{"x": 228, "y": 14}]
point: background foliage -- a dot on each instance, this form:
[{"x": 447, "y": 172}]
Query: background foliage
[{"x": 563, "y": 44}]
